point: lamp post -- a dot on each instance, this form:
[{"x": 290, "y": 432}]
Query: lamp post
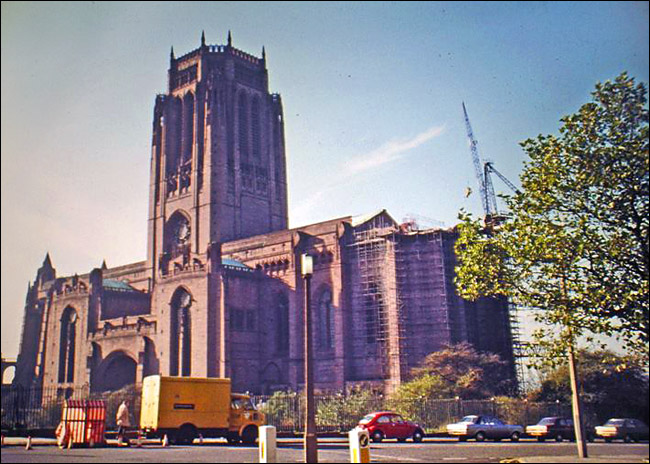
[{"x": 311, "y": 443}]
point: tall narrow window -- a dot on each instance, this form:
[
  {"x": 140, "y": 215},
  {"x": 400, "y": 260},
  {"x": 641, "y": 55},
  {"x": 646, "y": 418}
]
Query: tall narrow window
[
  {"x": 243, "y": 126},
  {"x": 67, "y": 345},
  {"x": 180, "y": 334},
  {"x": 256, "y": 130},
  {"x": 282, "y": 323},
  {"x": 375, "y": 317},
  {"x": 326, "y": 320},
  {"x": 188, "y": 127}
]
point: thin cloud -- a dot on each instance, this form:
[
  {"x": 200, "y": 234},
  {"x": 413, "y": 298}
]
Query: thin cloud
[
  {"x": 302, "y": 212},
  {"x": 390, "y": 151}
]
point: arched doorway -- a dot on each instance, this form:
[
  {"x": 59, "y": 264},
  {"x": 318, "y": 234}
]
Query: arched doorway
[{"x": 116, "y": 371}]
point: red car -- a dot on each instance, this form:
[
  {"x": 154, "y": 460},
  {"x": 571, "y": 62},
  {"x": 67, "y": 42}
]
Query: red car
[{"x": 388, "y": 424}]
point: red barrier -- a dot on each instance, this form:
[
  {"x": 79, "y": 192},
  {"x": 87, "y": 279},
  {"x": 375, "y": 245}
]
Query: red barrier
[{"x": 86, "y": 421}]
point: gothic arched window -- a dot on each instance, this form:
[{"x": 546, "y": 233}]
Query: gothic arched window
[
  {"x": 188, "y": 128},
  {"x": 326, "y": 320},
  {"x": 282, "y": 322},
  {"x": 67, "y": 345},
  {"x": 178, "y": 232},
  {"x": 180, "y": 334}
]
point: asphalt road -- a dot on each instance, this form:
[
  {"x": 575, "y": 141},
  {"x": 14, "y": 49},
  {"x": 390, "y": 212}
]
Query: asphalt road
[{"x": 330, "y": 450}]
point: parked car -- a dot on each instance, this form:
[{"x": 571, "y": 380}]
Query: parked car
[
  {"x": 625, "y": 429},
  {"x": 484, "y": 427},
  {"x": 386, "y": 424},
  {"x": 558, "y": 428}
]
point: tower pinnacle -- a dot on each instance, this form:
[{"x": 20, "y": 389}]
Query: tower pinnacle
[
  {"x": 47, "y": 262},
  {"x": 171, "y": 54},
  {"x": 229, "y": 39},
  {"x": 203, "y": 38}
]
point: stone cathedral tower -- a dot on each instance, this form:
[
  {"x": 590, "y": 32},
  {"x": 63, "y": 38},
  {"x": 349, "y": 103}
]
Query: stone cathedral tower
[
  {"x": 218, "y": 168},
  {"x": 218, "y": 174}
]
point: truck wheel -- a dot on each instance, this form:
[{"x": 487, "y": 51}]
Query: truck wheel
[
  {"x": 186, "y": 435},
  {"x": 249, "y": 435},
  {"x": 233, "y": 439}
]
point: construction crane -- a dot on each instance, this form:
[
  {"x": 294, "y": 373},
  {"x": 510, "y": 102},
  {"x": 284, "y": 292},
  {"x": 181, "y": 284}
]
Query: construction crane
[
  {"x": 486, "y": 187},
  {"x": 492, "y": 219},
  {"x": 477, "y": 161}
]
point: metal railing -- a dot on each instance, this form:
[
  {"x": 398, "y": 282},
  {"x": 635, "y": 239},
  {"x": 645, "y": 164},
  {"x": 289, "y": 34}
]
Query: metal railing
[{"x": 40, "y": 409}]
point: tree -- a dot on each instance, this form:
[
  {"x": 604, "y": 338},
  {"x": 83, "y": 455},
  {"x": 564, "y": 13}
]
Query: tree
[
  {"x": 576, "y": 241},
  {"x": 613, "y": 385},
  {"x": 575, "y": 245},
  {"x": 460, "y": 370}
]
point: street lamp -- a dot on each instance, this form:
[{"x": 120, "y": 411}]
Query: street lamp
[{"x": 311, "y": 443}]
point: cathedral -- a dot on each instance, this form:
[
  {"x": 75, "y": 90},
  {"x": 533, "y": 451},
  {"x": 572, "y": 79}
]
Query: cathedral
[{"x": 220, "y": 293}]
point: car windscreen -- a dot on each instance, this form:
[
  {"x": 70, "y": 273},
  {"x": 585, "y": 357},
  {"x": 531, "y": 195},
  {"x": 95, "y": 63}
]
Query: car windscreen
[
  {"x": 249, "y": 406},
  {"x": 615, "y": 422},
  {"x": 547, "y": 421},
  {"x": 469, "y": 419},
  {"x": 367, "y": 419}
]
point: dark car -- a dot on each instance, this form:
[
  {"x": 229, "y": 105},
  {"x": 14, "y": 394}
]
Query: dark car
[
  {"x": 625, "y": 429},
  {"x": 386, "y": 424},
  {"x": 557, "y": 428}
]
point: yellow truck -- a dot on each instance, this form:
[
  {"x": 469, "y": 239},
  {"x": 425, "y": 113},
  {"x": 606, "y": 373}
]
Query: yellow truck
[{"x": 185, "y": 407}]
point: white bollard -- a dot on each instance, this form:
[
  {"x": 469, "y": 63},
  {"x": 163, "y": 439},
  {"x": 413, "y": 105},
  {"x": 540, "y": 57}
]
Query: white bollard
[
  {"x": 268, "y": 448},
  {"x": 359, "y": 445}
]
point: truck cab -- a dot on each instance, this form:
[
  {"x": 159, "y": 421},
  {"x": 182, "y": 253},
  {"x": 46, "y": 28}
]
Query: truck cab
[{"x": 243, "y": 413}]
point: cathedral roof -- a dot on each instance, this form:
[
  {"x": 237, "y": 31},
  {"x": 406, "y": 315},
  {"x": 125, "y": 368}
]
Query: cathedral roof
[
  {"x": 118, "y": 285},
  {"x": 228, "y": 262},
  {"x": 363, "y": 218}
]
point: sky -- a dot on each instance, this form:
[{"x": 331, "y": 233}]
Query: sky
[{"x": 372, "y": 96}]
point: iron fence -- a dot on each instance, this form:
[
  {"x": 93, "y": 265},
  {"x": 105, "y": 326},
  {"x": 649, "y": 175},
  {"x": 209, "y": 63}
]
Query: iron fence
[
  {"x": 40, "y": 408},
  {"x": 340, "y": 413}
]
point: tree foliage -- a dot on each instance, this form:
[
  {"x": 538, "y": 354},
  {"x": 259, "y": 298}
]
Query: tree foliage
[
  {"x": 575, "y": 244},
  {"x": 459, "y": 370},
  {"x": 611, "y": 384}
]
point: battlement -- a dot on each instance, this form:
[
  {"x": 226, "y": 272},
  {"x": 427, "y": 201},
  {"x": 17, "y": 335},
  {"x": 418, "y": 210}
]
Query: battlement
[{"x": 220, "y": 50}]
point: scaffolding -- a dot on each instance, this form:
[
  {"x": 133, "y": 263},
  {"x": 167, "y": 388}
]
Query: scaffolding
[
  {"x": 422, "y": 283},
  {"x": 376, "y": 294},
  {"x": 518, "y": 347},
  {"x": 406, "y": 304}
]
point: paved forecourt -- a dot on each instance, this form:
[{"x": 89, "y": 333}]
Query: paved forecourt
[{"x": 332, "y": 450}]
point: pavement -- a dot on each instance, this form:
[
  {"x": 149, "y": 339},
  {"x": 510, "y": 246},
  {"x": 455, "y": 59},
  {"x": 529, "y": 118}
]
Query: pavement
[
  {"x": 567, "y": 459},
  {"x": 341, "y": 444}
]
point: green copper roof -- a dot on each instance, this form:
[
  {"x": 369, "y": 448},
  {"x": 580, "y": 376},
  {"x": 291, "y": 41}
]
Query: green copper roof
[
  {"x": 234, "y": 263},
  {"x": 111, "y": 284}
]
